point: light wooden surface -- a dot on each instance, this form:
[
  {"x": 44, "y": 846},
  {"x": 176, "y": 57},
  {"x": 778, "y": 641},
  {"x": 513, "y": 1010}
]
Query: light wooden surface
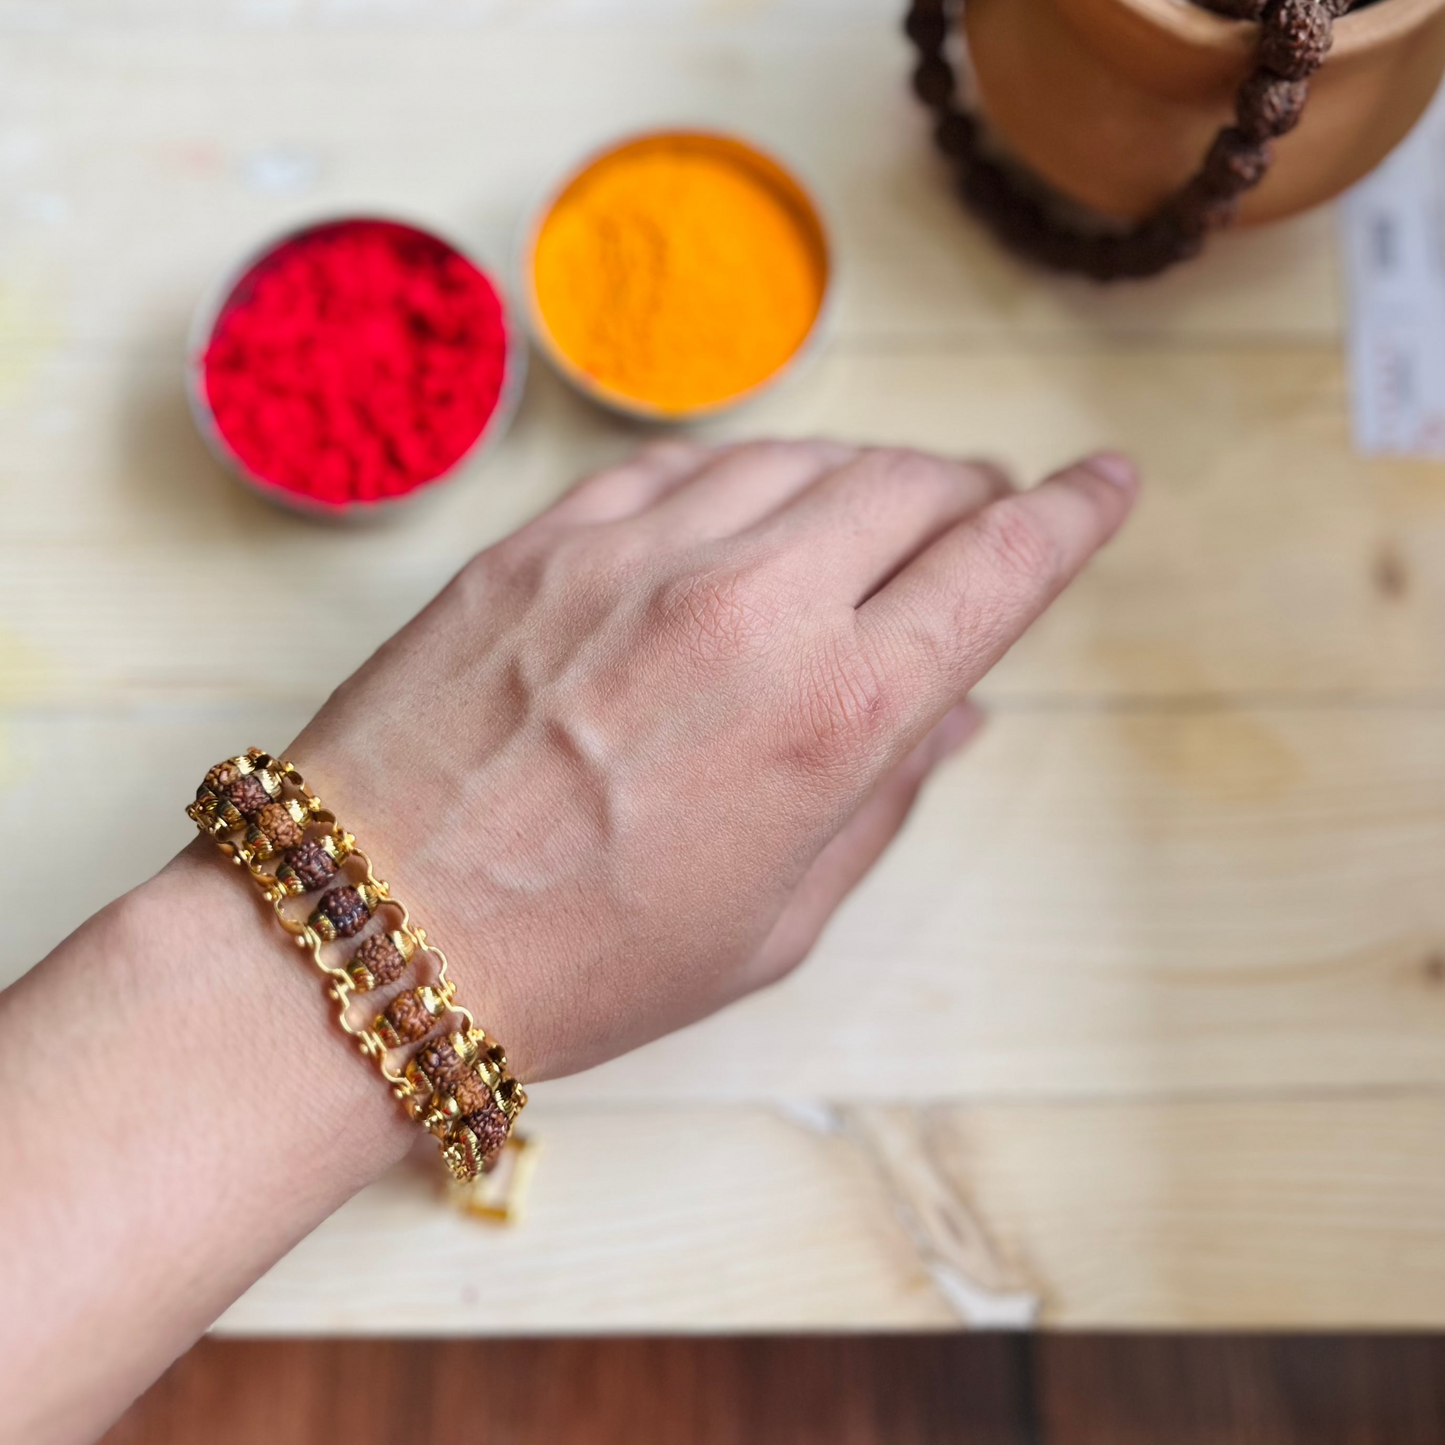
[{"x": 1143, "y": 1022}]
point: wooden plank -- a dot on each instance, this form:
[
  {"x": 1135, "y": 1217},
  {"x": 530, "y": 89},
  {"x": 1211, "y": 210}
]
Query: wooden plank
[
  {"x": 1326, "y": 1212},
  {"x": 1319, "y": 1211},
  {"x": 1265, "y": 560},
  {"x": 662, "y": 1220},
  {"x": 450, "y": 112},
  {"x": 1089, "y": 902}
]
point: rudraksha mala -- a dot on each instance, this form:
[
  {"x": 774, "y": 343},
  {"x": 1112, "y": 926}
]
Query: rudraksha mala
[
  {"x": 456, "y": 1085},
  {"x": 1294, "y": 36}
]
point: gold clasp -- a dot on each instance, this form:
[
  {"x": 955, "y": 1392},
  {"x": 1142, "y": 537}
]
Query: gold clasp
[{"x": 500, "y": 1196}]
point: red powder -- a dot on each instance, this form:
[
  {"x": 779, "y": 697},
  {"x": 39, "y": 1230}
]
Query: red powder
[{"x": 357, "y": 361}]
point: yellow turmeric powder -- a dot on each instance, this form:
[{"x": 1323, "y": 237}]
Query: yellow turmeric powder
[{"x": 680, "y": 271}]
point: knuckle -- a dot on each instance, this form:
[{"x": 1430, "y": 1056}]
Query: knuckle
[
  {"x": 595, "y": 562},
  {"x": 499, "y": 568},
  {"x": 905, "y": 469},
  {"x": 1017, "y": 546},
  {"x": 512, "y": 557},
  {"x": 719, "y": 615},
  {"x": 764, "y": 452},
  {"x": 842, "y": 704}
]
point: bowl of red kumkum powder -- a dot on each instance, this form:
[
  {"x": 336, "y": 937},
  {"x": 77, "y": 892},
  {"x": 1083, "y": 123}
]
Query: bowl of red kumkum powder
[{"x": 352, "y": 364}]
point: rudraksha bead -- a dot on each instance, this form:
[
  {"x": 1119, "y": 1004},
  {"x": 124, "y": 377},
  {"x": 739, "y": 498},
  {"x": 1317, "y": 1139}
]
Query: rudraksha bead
[
  {"x": 955, "y": 133},
  {"x": 1294, "y": 38},
  {"x": 1199, "y": 208},
  {"x": 440, "y": 1063},
  {"x": 933, "y": 82},
  {"x": 314, "y": 866},
  {"x": 471, "y": 1093},
  {"x": 280, "y": 828},
  {"x": 409, "y": 1017},
  {"x": 249, "y": 794},
  {"x": 376, "y": 963},
  {"x": 490, "y": 1128},
  {"x": 927, "y": 27},
  {"x": 346, "y": 909},
  {"x": 221, "y": 776},
  {"x": 1269, "y": 105},
  {"x": 1234, "y": 162}
]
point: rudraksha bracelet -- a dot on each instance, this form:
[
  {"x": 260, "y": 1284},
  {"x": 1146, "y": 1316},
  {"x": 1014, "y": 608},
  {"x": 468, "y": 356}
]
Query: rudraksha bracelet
[
  {"x": 456, "y": 1084},
  {"x": 1294, "y": 36}
]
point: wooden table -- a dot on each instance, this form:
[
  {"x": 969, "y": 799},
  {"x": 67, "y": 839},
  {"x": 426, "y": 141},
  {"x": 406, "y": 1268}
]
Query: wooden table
[{"x": 1142, "y": 1023}]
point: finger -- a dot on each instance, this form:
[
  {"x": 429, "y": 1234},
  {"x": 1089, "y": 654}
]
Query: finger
[
  {"x": 626, "y": 489},
  {"x": 948, "y": 616},
  {"x": 873, "y": 515},
  {"x": 838, "y": 869},
  {"x": 736, "y": 489}
]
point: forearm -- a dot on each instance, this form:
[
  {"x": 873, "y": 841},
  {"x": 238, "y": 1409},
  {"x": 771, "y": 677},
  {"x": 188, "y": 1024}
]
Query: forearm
[{"x": 177, "y": 1115}]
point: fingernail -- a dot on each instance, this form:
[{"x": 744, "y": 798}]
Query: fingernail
[{"x": 1115, "y": 468}]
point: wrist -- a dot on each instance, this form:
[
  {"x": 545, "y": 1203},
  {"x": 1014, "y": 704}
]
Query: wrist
[
  {"x": 450, "y": 848},
  {"x": 261, "y": 1048}
]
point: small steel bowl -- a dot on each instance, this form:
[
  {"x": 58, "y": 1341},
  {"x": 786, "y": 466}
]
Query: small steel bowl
[
  {"x": 214, "y": 303},
  {"x": 773, "y": 173}
]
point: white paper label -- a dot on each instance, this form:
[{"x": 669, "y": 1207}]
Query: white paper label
[{"x": 1394, "y": 243}]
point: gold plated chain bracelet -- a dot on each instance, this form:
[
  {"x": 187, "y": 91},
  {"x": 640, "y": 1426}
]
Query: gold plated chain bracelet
[{"x": 456, "y": 1084}]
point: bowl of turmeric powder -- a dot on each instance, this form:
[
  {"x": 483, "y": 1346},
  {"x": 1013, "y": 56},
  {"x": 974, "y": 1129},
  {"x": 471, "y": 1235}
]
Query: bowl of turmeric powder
[{"x": 675, "y": 274}]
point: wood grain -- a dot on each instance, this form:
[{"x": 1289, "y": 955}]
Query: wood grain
[
  {"x": 940, "y": 1390},
  {"x": 1156, "y": 972},
  {"x": 1265, "y": 561},
  {"x": 1267, "y": 1212},
  {"x": 1374, "y": 1390},
  {"x": 716, "y": 1392}
]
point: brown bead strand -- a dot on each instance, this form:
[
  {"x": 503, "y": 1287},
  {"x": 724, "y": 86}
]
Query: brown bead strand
[
  {"x": 280, "y": 830},
  {"x": 471, "y": 1094},
  {"x": 1294, "y": 38},
  {"x": 376, "y": 963},
  {"x": 220, "y": 777},
  {"x": 489, "y": 1127},
  {"x": 410, "y": 1016},
  {"x": 345, "y": 909},
  {"x": 313, "y": 866},
  {"x": 440, "y": 1064},
  {"x": 249, "y": 794}
]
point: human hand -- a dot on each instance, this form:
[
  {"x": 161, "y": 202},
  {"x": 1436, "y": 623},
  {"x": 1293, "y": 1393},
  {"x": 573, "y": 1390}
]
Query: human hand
[
  {"x": 624, "y": 768},
  {"x": 631, "y": 759}
]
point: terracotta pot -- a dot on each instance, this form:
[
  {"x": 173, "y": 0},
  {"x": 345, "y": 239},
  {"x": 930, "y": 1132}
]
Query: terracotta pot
[{"x": 1115, "y": 102}]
